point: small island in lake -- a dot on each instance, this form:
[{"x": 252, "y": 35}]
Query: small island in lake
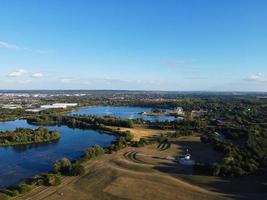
[{"x": 27, "y": 136}]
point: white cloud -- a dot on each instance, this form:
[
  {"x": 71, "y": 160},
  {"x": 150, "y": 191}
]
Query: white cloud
[
  {"x": 37, "y": 75},
  {"x": 7, "y": 45},
  {"x": 13, "y": 46},
  {"x": 259, "y": 77},
  {"x": 18, "y": 73},
  {"x": 23, "y": 72}
]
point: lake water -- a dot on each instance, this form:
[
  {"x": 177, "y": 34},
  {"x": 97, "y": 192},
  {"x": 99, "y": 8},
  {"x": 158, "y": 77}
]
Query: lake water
[
  {"x": 22, "y": 161},
  {"x": 128, "y": 112}
]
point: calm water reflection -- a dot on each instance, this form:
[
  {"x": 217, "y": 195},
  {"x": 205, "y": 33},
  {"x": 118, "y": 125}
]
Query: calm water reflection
[
  {"x": 22, "y": 161},
  {"x": 129, "y": 112}
]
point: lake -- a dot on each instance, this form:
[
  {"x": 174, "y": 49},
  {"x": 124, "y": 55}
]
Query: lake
[
  {"x": 22, "y": 161},
  {"x": 128, "y": 112}
]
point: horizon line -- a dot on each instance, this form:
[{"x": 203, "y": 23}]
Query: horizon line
[{"x": 132, "y": 90}]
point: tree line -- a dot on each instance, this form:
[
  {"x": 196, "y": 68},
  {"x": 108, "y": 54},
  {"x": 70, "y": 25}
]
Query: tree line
[{"x": 27, "y": 136}]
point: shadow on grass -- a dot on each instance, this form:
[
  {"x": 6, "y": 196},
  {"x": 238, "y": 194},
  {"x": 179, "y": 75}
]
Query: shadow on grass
[
  {"x": 199, "y": 151},
  {"x": 164, "y": 146},
  {"x": 249, "y": 187}
]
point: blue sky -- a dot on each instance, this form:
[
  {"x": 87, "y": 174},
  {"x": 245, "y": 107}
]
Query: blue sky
[{"x": 173, "y": 45}]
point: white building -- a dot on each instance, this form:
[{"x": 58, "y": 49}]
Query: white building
[
  {"x": 59, "y": 105},
  {"x": 179, "y": 111},
  {"x": 52, "y": 106},
  {"x": 35, "y": 110},
  {"x": 11, "y": 106},
  {"x": 65, "y": 104}
]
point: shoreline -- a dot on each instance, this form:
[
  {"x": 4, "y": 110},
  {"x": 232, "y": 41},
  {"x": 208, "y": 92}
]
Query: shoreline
[
  {"x": 28, "y": 143},
  {"x": 111, "y": 132}
]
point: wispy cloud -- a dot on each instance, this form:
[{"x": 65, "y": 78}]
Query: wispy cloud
[
  {"x": 25, "y": 73},
  {"x": 259, "y": 77},
  {"x": 17, "y": 73},
  {"x": 7, "y": 45},
  {"x": 37, "y": 75}
]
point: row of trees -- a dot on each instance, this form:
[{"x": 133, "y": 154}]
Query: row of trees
[
  {"x": 80, "y": 121},
  {"x": 121, "y": 142},
  {"x": 65, "y": 167}
]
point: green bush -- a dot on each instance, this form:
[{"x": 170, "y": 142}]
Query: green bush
[
  {"x": 57, "y": 179},
  {"x": 3, "y": 197},
  {"x": 94, "y": 151},
  {"x": 128, "y": 136},
  {"x": 77, "y": 170},
  {"x": 52, "y": 179},
  {"x": 142, "y": 142},
  {"x": 24, "y": 188},
  {"x": 163, "y": 138},
  {"x": 10, "y": 192},
  {"x": 215, "y": 169},
  {"x": 62, "y": 166}
]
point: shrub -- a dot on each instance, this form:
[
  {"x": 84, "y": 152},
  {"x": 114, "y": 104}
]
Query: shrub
[
  {"x": 216, "y": 169},
  {"x": 62, "y": 166},
  {"x": 163, "y": 138},
  {"x": 142, "y": 142},
  {"x": 77, "y": 170},
  {"x": 12, "y": 192},
  {"x": 3, "y": 197},
  {"x": 237, "y": 171},
  {"x": 117, "y": 145},
  {"x": 52, "y": 179},
  {"x": 128, "y": 136},
  {"x": 94, "y": 151},
  {"x": 23, "y": 188},
  {"x": 57, "y": 179}
]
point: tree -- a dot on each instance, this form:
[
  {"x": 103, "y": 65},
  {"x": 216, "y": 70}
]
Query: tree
[
  {"x": 23, "y": 188},
  {"x": 128, "y": 136},
  {"x": 77, "y": 170},
  {"x": 94, "y": 151},
  {"x": 62, "y": 166}
]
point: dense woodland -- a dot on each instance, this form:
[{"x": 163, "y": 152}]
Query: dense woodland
[
  {"x": 9, "y": 114},
  {"x": 85, "y": 122},
  {"x": 27, "y": 136},
  {"x": 240, "y": 121},
  {"x": 235, "y": 126}
]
